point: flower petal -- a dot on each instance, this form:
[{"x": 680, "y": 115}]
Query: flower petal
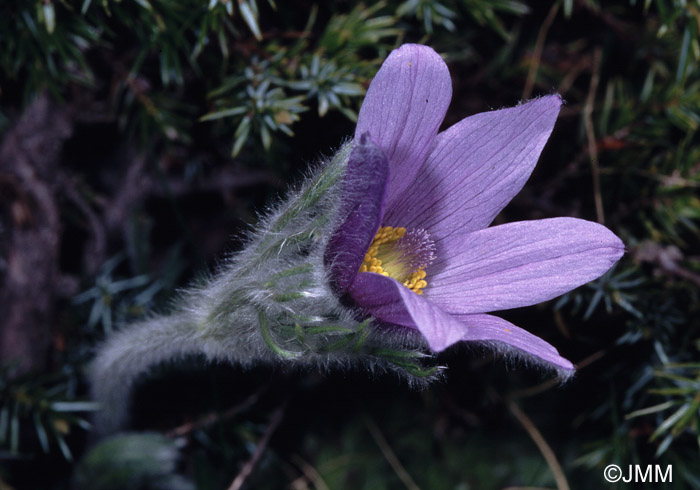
[
  {"x": 476, "y": 167},
  {"x": 488, "y": 328},
  {"x": 520, "y": 264},
  {"x": 361, "y": 210},
  {"x": 404, "y": 107},
  {"x": 387, "y": 300}
]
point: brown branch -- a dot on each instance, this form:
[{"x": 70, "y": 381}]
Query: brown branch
[
  {"x": 390, "y": 455},
  {"x": 537, "y": 52},
  {"x": 138, "y": 185},
  {"x": 215, "y": 417},
  {"x": 224, "y": 180},
  {"x": 581, "y": 66},
  {"x": 29, "y": 157},
  {"x": 311, "y": 474},
  {"x": 541, "y": 444},
  {"x": 551, "y": 383},
  {"x": 590, "y": 135},
  {"x": 249, "y": 466}
]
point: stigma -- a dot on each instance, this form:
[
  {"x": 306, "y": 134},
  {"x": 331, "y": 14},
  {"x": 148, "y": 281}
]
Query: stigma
[{"x": 401, "y": 254}]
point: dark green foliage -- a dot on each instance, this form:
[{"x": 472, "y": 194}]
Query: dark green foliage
[
  {"x": 190, "y": 115},
  {"x": 43, "y": 409}
]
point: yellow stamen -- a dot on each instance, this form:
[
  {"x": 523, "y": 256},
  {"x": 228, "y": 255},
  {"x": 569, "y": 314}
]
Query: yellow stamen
[{"x": 388, "y": 265}]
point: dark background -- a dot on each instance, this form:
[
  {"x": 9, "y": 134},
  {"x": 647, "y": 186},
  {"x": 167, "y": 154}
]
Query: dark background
[{"x": 121, "y": 181}]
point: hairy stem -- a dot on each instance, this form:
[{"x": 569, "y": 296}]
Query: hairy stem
[{"x": 132, "y": 353}]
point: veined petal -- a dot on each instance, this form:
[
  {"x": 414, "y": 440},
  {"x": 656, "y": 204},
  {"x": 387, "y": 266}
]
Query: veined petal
[
  {"x": 404, "y": 107},
  {"x": 520, "y": 264},
  {"x": 361, "y": 210},
  {"x": 488, "y": 328},
  {"x": 387, "y": 300},
  {"x": 476, "y": 167}
]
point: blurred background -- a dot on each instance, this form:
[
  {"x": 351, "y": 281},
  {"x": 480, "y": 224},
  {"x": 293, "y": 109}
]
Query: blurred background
[{"x": 140, "y": 140}]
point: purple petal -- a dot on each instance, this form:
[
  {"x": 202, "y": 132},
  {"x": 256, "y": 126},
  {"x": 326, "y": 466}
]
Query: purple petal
[
  {"x": 404, "y": 107},
  {"x": 387, "y": 300},
  {"x": 476, "y": 167},
  {"x": 520, "y": 264},
  {"x": 488, "y": 328},
  {"x": 361, "y": 211}
]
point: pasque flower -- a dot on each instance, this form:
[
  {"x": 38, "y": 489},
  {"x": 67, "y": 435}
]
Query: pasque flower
[
  {"x": 383, "y": 251},
  {"x": 415, "y": 250}
]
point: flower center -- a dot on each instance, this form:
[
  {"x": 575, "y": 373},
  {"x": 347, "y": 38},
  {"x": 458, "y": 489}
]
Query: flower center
[{"x": 401, "y": 254}]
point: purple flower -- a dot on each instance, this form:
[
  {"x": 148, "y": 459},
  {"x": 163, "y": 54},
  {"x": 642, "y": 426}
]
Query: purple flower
[{"x": 414, "y": 250}]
